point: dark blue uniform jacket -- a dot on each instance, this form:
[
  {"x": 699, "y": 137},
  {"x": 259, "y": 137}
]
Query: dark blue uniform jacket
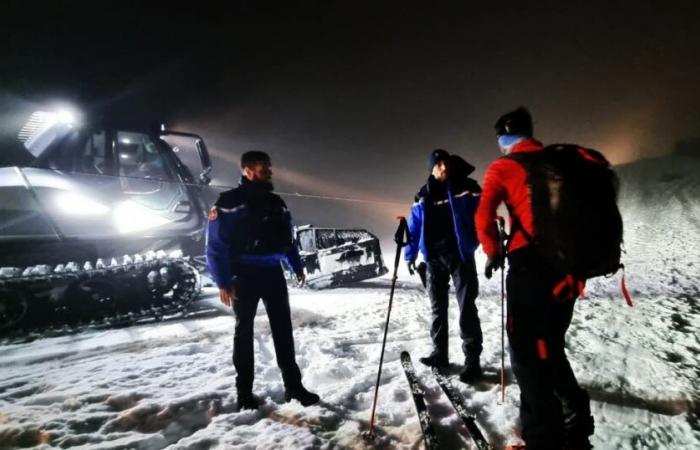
[
  {"x": 463, "y": 194},
  {"x": 249, "y": 226}
]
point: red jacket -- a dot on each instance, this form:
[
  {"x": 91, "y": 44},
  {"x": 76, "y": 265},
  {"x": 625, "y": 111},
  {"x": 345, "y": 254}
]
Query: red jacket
[{"x": 506, "y": 181}]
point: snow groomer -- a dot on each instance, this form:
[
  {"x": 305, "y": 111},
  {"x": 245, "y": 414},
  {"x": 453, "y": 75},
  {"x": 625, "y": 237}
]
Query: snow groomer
[{"x": 249, "y": 235}]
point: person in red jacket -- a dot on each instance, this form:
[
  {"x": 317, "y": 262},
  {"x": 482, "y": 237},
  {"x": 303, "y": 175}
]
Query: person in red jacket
[{"x": 554, "y": 410}]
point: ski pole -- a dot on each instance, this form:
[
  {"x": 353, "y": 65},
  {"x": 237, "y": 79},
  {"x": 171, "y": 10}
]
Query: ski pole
[
  {"x": 401, "y": 238},
  {"x": 502, "y": 238}
]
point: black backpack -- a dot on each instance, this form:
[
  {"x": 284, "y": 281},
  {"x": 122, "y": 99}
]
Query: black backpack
[{"x": 578, "y": 227}]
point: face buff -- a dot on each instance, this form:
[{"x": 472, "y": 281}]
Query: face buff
[{"x": 507, "y": 141}]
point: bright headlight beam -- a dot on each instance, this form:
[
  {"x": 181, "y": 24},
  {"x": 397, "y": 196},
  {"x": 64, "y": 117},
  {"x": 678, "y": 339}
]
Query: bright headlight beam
[
  {"x": 79, "y": 205},
  {"x": 130, "y": 217}
]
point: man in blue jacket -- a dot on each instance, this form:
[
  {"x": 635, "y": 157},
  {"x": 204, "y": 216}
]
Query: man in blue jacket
[
  {"x": 441, "y": 226},
  {"x": 249, "y": 235}
]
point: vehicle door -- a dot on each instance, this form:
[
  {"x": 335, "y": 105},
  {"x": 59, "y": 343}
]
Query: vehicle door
[{"x": 155, "y": 200}]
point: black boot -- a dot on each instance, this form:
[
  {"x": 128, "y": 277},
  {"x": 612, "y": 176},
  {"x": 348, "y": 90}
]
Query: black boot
[
  {"x": 471, "y": 372},
  {"x": 300, "y": 394},
  {"x": 435, "y": 359},
  {"x": 578, "y": 421},
  {"x": 579, "y": 443},
  {"x": 246, "y": 400}
]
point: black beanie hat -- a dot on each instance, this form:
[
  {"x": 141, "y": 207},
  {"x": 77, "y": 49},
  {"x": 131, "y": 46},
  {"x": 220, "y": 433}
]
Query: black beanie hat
[
  {"x": 254, "y": 156},
  {"x": 436, "y": 156},
  {"x": 518, "y": 122}
]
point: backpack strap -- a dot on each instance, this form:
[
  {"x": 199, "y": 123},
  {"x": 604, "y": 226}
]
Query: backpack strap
[
  {"x": 516, "y": 225},
  {"x": 569, "y": 288}
]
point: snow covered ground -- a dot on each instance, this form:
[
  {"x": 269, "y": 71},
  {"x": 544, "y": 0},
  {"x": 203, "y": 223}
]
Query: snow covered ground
[{"x": 171, "y": 385}]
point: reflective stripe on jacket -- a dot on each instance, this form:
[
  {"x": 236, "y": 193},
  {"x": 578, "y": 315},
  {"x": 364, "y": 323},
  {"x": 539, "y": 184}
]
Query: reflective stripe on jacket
[
  {"x": 464, "y": 200},
  {"x": 227, "y": 233}
]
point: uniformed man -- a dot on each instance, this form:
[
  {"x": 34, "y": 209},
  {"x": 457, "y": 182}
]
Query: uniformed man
[
  {"x": 249, "y": 236},
  {"x": 441, "y": 226}
]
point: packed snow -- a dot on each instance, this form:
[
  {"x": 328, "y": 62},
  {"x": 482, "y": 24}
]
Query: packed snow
[{"x": 171, "y": 384}]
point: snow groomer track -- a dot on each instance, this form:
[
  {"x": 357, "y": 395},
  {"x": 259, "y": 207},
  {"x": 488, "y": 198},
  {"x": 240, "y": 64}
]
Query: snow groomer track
[{"x": 72, "y": 296}]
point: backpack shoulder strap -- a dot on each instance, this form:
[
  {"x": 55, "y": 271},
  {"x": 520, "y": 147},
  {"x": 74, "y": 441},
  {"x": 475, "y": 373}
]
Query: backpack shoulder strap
[
  {"x": 524, "y": 160},
  {"x": 516, "y": 225}
]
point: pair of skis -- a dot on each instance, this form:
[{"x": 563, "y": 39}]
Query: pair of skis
[{"x": 457, "y": 400}]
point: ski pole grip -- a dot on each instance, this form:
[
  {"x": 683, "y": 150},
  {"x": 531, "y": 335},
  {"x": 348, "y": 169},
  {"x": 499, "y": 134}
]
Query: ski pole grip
[
  {"x": 401, "y": 237},
  {"x": 501, "y": 222},
  {"x": 502, "y": 238}
]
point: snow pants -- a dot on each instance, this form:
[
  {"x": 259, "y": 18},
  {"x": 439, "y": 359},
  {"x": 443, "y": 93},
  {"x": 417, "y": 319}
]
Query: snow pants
[
  {"x": 463, "y": 273},
  {"x": 268, "y": 284},
  {"x": 554, "y": 410}
]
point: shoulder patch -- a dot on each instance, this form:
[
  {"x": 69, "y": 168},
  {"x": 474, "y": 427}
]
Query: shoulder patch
[{"x": 213, "y": 214}]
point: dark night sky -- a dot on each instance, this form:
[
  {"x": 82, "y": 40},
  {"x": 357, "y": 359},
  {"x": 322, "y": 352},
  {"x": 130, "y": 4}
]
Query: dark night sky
[{"x": 349, "y": 97}]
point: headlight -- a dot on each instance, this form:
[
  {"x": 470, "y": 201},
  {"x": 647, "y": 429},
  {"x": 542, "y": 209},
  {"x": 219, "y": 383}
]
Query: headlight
[
  {"x": 130, "y": 216},
  {"x": 79, "y": 205}
]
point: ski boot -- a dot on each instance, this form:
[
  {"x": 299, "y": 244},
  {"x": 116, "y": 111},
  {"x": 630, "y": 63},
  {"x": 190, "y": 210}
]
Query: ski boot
[
  {"x": 246, "y": 400},
  {"x": 435, "y": 359},
  {"x": 472, "y": 371},
  {"x": 300, "y": 394}
]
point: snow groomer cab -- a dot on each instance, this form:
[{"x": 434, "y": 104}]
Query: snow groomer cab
[
  {"x": 98, "y": 222},
  {"x": 335, "y": 256}
]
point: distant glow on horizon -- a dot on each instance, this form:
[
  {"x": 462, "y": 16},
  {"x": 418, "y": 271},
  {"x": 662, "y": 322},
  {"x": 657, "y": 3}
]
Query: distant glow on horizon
[{"x": 628, "y": 138}]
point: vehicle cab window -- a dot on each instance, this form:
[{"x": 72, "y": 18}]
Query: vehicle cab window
[
  {"x": 307, "y": 240},
  {"x": 139, "y": 156},
  {"x": 326, "y": 238},
  {"x": 93, "y": 158},
  {"x": 79, "y": 151}
]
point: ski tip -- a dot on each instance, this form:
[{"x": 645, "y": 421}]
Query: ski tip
[{"x": 405, "y": 355}]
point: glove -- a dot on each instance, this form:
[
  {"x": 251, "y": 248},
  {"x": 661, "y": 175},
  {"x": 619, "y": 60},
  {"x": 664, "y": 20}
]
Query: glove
[
  {"x": 301, "y": 278},
  {"x": 493, "y": 263},
  {"x": 412, "y": 266}
]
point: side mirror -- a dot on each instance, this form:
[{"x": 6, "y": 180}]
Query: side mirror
[{"x": 204, "y": 159}]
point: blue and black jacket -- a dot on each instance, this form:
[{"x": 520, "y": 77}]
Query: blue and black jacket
[
  {"x": 249, "y": 226},
  {"x": 463, "y": 195}
]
